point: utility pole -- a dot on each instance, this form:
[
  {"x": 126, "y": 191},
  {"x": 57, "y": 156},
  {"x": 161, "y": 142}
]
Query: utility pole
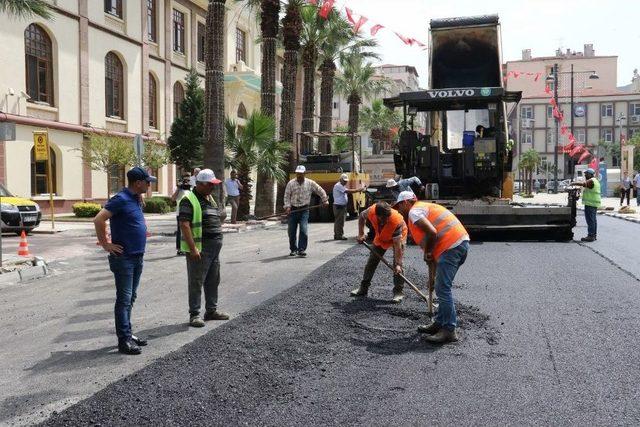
[
  {"x": 570, "y": 164},
  {"x": 620, "y": 118},
  {"x": 555, "y": 145}
]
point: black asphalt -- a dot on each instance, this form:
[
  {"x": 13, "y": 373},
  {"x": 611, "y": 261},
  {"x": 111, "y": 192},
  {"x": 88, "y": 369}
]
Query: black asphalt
[{"x": 549, "y": 335}]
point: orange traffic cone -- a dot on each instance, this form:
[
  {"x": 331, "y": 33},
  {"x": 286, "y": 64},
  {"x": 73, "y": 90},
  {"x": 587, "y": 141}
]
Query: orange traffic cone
[{"x": 23, "y": 248}]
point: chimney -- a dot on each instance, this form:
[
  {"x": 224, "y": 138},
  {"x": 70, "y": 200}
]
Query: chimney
[
  {"x": 526, "y": 54},
  {"x": 589, "y": 52},
  {"x": 558, "y": 53},
  {"x": 635, "y": 81}
]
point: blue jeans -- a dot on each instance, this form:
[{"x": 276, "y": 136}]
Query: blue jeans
[
  {"x": 448, "y": 265},
  {"x": 296, "y": 218},
  {"x": 591, "y": 215},
  {"x": 127, "y": 270}
]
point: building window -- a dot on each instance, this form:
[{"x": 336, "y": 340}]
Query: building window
[
  {"x": 113, "y": 86},
  {"x": 39, "y": 174},
  {"x": 549, "y": 112},
  {"x": 39, "y": 68},
  {"x": 202, "y": 31},
  {"x": 178, "y": 31},
  {"x": 178, "y": 98},
  {"x": 607, "y": 135},
  {"x": 634, "y": 109},
  {"x": 153, "y": 186},
  {"x": 551, "y": 137},
  {"x": 242, "y": 111},
  {"x": 526, "y": 112},
  {"x": 152, "y": 27},
  {"x": 116, "y": 179},
  {"x": 606, "y": 110},
  {"x": 241, "y": 46},
  {"x": 580, "y": 135},
  {"x": 527, "y": 138},
  {"x": 153, "y": 102},
  {"x": 113, "y": 7}
]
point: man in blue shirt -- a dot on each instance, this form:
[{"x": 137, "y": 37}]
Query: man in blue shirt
[
  {"x": 401, "y": 185},
  {"x": 126, "y": 249}
]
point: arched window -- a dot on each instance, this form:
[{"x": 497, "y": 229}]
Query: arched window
[
  {"x": 178, "y": 98},
  {"x": 242, "y": 111},
  {"x": 39, "y": 174},
  {"x": 39, "y": 64},
  {"x": 153, "y": 102},
  {"x": 113, "y": 86}
]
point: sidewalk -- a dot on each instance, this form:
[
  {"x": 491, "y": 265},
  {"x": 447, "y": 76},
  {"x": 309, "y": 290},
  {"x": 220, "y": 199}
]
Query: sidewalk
[{"x": 610, "y": 205}]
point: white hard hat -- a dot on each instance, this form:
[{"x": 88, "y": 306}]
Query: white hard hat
[
  {"x": 301, "y": 169},
  {"x": 405, "y": 195},
  {"x": 207, "y": 175},
  {"x": 391, "y": 183},
  {"x": 344, "y": 177}
]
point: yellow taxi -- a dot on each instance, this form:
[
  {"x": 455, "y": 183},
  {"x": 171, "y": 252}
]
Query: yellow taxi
[{"x": 18, "y": 213}]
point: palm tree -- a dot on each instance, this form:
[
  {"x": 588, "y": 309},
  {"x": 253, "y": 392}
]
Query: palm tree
[
  {"x": 291, "y": 29},
  {"x": 357, "y": 82},
  {"x": 26, "y": 8},
  {"x": 528, "y": 162},
  {"x": 379, "y": 120},
  {"x": 339, "y": 38},
  {"x": 255, "y": 147},
  {"x": 214, "y": 92}
]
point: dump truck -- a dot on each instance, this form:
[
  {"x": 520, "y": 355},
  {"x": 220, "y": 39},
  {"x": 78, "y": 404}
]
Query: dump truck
[{"x": 465, "y": 159}]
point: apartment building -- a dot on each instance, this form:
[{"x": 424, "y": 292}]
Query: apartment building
[
  {"x": 111, "y": 65},
  {"x": 602, "y": 110}
]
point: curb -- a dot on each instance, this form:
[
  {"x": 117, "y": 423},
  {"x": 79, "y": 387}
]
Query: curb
[
  {"x": 24, "y": 274},
  {"x": 616, "y": 215}
]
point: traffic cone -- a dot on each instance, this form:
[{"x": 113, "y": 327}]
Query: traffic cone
[{"x": 23, "y": 248}]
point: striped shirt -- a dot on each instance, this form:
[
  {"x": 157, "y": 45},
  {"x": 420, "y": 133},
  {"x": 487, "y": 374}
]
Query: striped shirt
[{"x": 296, "y": 194}]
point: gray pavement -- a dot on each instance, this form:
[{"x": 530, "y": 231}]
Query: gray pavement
[
  {"x": 59, "y": 344},
  {"x": 548, "y": 336}
]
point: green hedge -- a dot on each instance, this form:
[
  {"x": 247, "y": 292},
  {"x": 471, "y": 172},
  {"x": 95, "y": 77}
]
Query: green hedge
[
  {"x": 157, "y": 204},
  {"x": 86, "y": 210}
]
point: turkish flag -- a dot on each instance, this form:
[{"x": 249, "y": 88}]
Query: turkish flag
[
  {"x": 579, "y": 149},
  {"x": 594, "y": 163},
  {"x": 408, "y": 41},
  {"x": 537, "y": 77},
  {"x": 570, "y": 146},
  {"x": 350, "y": 16},
  {"x": 564, "y": 129},
  {"x": 584, "y": 157},
  {"x": 314, "y": 2},
  {"x": 375, "y": 29},
  {"x": 547, "y": 89},
  {"x": 326, "y": 8},
  {"x": 552, "y": 101},
  {"x": 359, "y": 24}
]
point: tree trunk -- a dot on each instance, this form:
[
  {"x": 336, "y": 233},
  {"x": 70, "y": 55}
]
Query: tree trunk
[
  {"x": 291, "y": 27},
  {"x": 309, "y": 58},
  {"x": 354, "y": 112},
  {"x": 244, "y": 208},
  {"x": 328, "y": 70},
  {"x": 269, "y": 25},
  {"x": 214, "y": 94}
]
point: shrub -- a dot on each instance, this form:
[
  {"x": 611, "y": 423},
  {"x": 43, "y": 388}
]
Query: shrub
[
  {"x": 156, "y": 205},
  {"x": 617, "y": 190},
  {"x": 86, "y": 210}
]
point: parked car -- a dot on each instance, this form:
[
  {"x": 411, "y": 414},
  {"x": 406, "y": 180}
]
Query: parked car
[{"x": 18, "y": 213}]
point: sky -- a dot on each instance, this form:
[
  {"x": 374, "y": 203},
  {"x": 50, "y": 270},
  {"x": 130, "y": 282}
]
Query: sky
[{"x": 612, "y": 26}]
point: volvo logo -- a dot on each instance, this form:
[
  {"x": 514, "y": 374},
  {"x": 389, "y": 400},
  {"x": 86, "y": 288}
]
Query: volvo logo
[{"x": 451, "y": 93}]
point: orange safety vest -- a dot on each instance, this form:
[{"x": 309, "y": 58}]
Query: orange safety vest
[
  {"x": 384, "y": 236},
  {"x": 449, "y": 228}
]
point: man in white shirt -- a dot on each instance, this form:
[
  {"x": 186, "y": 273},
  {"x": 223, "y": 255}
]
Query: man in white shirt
[
  {"x": 636, "y": 184},
  {"x": 233, "y": 186},
  {"x": 192, "y": 180},
  {"x": 297, "y": 197},
  {"x": 340, "y": 201}
]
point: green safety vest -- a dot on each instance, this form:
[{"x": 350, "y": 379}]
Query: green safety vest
[
  {"x": 196, "y": 222},
  {"x": 591, "y": 196}
]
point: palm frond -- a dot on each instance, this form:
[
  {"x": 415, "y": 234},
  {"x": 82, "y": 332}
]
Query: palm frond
[{"x": 24, "y": 9}]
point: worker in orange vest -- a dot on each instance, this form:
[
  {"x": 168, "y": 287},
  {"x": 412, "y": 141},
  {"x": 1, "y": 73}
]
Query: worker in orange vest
[
  {"x": 391, "y": 231},
  {"x": 445, "y": 242}
]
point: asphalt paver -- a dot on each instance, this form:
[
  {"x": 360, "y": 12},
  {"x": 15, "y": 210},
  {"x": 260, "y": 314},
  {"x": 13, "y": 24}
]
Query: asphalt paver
[{"x": 542, "y": 340}]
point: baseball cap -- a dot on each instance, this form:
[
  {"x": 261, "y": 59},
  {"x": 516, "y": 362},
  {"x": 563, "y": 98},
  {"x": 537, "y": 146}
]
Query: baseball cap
[
  {"x": 405, "y": 195},
  {"x": 391, "y": 183},
  {"x": 344, "y": 177},
  {"x": 207, "y": 175},
  {"x": 139, "y": 174},
  {"x": 301, "y": 169},
  {"x": 591, "y": 171}
]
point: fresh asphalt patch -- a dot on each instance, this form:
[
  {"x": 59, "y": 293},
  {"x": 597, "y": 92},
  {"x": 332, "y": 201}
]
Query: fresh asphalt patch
[{"x": 542, "y": 341}]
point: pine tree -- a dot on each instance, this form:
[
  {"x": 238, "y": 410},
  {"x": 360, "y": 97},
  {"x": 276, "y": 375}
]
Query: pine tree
[{"x": 187, "y": 130}]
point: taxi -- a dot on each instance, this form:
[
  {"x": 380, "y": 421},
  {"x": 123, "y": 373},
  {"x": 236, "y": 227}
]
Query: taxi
[{"x": 18, "y": 213}]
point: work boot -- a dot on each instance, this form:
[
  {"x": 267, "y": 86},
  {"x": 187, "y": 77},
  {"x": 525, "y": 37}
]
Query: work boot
[
  {"x": 196, "y": 321},
  {"x": 139, "y": 341},
  {"x": 443, "y": 336},
  {"x": 360, "y": 291},
  {"x": 398, "y": 295},
  {"x": 216, "y": 315},
  {"x": 588, "y": 239},
  {"x": 430, "y": 329},
  {"x": 129, "y": 347}
]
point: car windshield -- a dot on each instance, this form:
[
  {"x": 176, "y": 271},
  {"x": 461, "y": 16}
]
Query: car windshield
[{"x": 4, "y": 192}]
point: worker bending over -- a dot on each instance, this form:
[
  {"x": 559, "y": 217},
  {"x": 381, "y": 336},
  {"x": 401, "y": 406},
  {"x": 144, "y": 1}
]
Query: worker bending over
[
  {"x": 391, "y": 231},
  {"x": 445, "y": 243}
]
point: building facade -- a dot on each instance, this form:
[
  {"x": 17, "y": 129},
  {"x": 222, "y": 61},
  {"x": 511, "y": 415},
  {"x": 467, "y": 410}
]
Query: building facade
[
  {"x": 116, "y": 66},
  {"x": 602, "y": 110}
]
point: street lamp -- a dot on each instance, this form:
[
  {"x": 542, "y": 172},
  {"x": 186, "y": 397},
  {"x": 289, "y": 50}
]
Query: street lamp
[
  {"x": 553, "y": 78},
  {"x": 620, "y": 119}
]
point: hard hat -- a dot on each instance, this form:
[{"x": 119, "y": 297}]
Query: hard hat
[
  {"x": 207, "y": 175},
  {"x": 591, "y": 171},
  {"x": 404, "y": 196},
  {"x": 301, "y": 169},
  {"x": 344, "y": 177},
  {"x": 391, "y": 183}
]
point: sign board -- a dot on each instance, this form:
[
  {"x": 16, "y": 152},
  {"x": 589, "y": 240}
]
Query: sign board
[
  {"x": 579, "y": 110},
  {"x": 41, "y": 145},
  {"x": 462, "y": 93},
  {"x": 138, "y": 147},
  {"x": 7, "y": 131}
]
